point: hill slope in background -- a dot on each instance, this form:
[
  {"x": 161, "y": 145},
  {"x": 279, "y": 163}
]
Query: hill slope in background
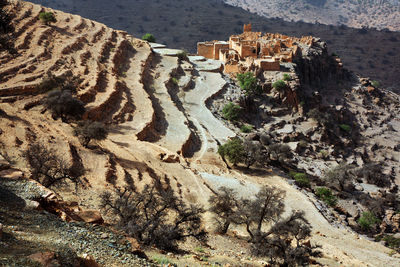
[
  {"x": 380, "y": 14},
  {"x": 181, "y": 24}
]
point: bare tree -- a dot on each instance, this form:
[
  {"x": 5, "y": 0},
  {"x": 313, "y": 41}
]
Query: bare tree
[
  {"x": 48, "y": 168},
  {"x": 265, "y": 208},
  {"x": 154, "y": 216},
  {"x": 285, "y": 244},
  {"x": 224, "y": 205}
]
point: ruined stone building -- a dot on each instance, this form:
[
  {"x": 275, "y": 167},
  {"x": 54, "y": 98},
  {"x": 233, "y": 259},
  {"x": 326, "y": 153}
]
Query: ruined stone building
[{"x": 254, "y": 50}]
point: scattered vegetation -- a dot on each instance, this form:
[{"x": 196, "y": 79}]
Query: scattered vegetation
[
  {"x": 154, "y": 215},
  {"x": 47, "y": 18},
  {"x": 368, "y": 221},
  {"x": 248, "y": 82},
  {"x": 279, "y": 85},
  {"x": 286, "y": 77},
  {"x": 301, "y": 179},
  {"x": 90, "y": 130},
  {"x": 174, "y": 80},
  {"x": 231, "y": 111},
  {"x": 326, "y": 195},
  {"x": 345, "y": 127},
  {"x": 49, "y": 168},
  {"x": 162, "y": 261},
  {"x": 183, "y": 56},
  {"x": 246, "y": 128},
  {"x": 266, "y": 208},
  {"x": 149, "y": 38}
]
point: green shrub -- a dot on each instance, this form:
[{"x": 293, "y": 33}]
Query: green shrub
[
  {"x": 286, "y": 77},
  {"x": 390, "y": 241},
  {"x": 199, "y": 249},
  {"x": 231, "y": 112},
  {"x": 248, "y": 82},
  {"x": 233, "y": 150},
  {"x": 302, "y": 180},
  {"x": 246, "y": 128},
  {"x": 345, "y": 127},
  {"x": 279, "y": 85},
  {"x": 367, "y": 220},
  {"x": 175, "y": 80},
  {"x": 162, "y": 261},
  {"x": 183, "y": 55},
  {"x": 149, "y": 38},
  {"x": 375, "y": 84},
  {"x": 326, "y": 195},
  {"x": 47, "y": 17}
]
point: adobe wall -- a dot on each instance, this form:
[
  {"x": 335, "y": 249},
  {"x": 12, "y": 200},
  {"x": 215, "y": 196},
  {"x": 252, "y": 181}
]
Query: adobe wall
[
  {"x": 230, "y": 68},
  {"x": 269, "y": 66},
  {"x": 206, "y": 50},
  {"x": 217, "y": 48},
  {"x": 248, "y": 51}
]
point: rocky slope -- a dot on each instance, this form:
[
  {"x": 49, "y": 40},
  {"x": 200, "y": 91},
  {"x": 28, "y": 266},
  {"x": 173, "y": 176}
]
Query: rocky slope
[
  {"x": 160, "y": 129},
  {"x": 370, "y": 14}
]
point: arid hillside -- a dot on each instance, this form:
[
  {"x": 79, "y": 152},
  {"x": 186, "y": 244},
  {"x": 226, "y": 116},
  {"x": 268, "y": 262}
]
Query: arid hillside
[
  {"x": 153, "y": 101},
  {"x": 366, "y": 13},
  {"x": 181, "y": 24}
]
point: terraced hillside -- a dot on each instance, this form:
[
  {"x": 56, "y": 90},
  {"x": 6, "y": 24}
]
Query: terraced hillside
[
  {"x": 154, "y": 103},
  {"x": 181, "y": 24}
]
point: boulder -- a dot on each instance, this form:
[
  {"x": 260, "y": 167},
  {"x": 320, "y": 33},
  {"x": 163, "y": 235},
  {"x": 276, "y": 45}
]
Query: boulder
[
  {"x": 87, "y": 261},
  {"x": 46, "y": 259},
  {"x": 90, "y": 216},
  {"x": 11, "y": 174}
]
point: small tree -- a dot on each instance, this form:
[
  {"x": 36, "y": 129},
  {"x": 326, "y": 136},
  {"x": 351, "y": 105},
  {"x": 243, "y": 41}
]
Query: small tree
[
  {"x": 89, "y": 130},
  {"x": 223, "y": 205},
  {"x": 47, "y": 18},
  {"x": 231, "y": 112},
  {"x": 341, "y": 177},
  {"x": 368, "y": 220},
  {"x": 279, "y": 85},
  {"x": 48, "y": 168},
  {"x": 248, "y": 82},
  {"x": 63, "y": 104},
  {"x": 149, "y": 38},
  {"x": 233, "y": 150},
  {"x": 253, "y": 153},
  {"x": 326, "y": 195}
]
